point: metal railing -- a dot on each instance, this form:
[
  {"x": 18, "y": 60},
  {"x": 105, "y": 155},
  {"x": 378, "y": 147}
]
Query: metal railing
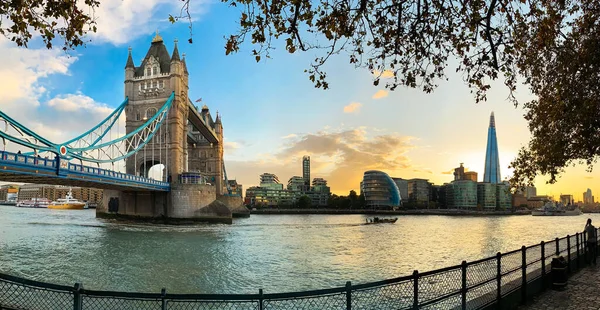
[
  {"x": 481, "y": 284},
  {"x": 50, "y": 165}
]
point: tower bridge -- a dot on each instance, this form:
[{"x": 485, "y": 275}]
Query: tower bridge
[{"x": 162, "y": 127}]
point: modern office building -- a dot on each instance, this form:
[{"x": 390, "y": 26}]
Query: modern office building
[
  {"x": 567, "y": 199},
  {"x": 503, "y": 196},
  {"x": 306, "y": 171},
  {"x": 463, "y": 194},
  {"x": 270, "y": 192},
  {"x": 403, "y": 187},
  {"x": 492, "y": 161},
  {"x": 296, "y": 183},
  {"x": 270, "y": 180},
  {"x": 380, "y": 190},
  {"x": 486, "y": 195},
  {"x": 419, "y": 191},
  {"x": 588, "y": 198}
]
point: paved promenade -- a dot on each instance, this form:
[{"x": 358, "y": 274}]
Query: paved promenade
[{"x": 582, "y": 293}]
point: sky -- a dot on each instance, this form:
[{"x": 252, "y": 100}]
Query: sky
[{"x": 272, "y": 114}]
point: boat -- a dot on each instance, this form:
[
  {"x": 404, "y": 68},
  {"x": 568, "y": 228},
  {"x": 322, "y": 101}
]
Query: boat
[
  {"x": 68, "y": 203},
  {"x": 552, "y": 209},
  {"x": 377, "y": 220},
  {"x": 34, "y": 203}
]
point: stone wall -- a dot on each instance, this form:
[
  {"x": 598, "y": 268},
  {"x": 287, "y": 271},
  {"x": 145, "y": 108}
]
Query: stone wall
[
  {"x": 236, "y": 205},
  {"x": 141, "y": 204},
  {"x": 197, "y": 202},
  {"x": 185, "y": 203}
]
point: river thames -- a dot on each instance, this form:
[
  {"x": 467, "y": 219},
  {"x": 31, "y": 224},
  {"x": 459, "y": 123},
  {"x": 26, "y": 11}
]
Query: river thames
[{"x": 278, "y": 253}]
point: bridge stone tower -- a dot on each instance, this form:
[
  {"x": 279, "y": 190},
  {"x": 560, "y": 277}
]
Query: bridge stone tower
[
  {"x": 189, "y": 144},
  {"x": 148, "y": 87},
  {"x": 207, "y": 157}
]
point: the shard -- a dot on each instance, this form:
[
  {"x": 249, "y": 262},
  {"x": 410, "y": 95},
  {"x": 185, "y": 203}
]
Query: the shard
[{"x": 492, "y": 162}]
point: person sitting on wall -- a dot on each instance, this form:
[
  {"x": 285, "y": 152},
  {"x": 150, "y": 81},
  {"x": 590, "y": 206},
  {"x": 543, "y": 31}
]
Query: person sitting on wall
[{"x": 592, "y": 242}]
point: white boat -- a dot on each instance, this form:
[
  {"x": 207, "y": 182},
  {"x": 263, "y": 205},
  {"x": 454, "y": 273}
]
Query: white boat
[
  {"x": 68, "y": 203},
  {"x": 552, "y": 209},
  {"x": 34, "y": 203}
]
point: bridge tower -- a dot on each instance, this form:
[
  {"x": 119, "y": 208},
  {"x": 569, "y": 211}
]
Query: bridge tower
[
  {"x": 148, "y": 87},
  {"x": 207, "y": 157}
]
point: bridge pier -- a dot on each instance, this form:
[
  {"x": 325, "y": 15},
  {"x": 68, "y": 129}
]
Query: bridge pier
[{"x": 185, "y": 203}]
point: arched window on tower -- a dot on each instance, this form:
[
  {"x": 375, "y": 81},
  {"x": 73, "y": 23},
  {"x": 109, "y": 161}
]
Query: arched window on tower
[
  {"x": 148, "y": 72},
  {"x": 155, "y": 70},
  {"x": 150, "y": 112},
  {"x": 161, "y": 84},
  {"x": 151, "y": 84},
  {"x": 137, "y": 115}
]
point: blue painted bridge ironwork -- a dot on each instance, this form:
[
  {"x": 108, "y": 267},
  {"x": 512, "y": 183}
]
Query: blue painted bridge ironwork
[{"x": 32, "y": 169}]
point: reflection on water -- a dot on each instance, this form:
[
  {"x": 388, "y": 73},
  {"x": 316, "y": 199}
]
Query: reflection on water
[{"x": 275, "y": 252}]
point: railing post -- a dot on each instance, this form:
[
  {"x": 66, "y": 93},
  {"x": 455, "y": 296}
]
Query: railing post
[
  {"x": 416, "y": 290},
  {"x": 348, "y": 295},
  {"x": 163, "y": 295},
  {"x": 77, "y": 298},
  {"x": 569, "y": 253},
  {"x": 463, "y": 294},
  {"x": 498, "y": 279},
  {"x": 557, "y": 247},
  {"x": 260, "y": 299},
  {"x": 543, "y": 253},
  {"x": 577, "y": 246},
  {"x": 523, "y": 274}
]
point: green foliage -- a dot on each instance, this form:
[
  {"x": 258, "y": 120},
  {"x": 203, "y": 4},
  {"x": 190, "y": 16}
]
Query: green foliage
[
  {"x": 304, "y": 202},
  {"x": 50, "y": 18}
]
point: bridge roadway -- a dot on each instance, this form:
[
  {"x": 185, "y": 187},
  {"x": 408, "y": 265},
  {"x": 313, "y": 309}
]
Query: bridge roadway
[{"x": 20, "y": 168}]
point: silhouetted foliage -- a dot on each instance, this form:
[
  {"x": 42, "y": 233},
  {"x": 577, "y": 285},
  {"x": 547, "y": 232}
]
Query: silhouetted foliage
[
  {"x": 304, "y": 202},
  {"x": 19, "y": 20}
]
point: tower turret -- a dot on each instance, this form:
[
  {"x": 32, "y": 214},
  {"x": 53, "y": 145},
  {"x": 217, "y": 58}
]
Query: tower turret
[{"x": 129, "y": 74}]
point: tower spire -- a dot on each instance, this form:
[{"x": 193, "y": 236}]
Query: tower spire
[
  {"x": 175, "y": 52},
  {"x": 130, "y": 63},
  {"x": 492, "y": 120}
]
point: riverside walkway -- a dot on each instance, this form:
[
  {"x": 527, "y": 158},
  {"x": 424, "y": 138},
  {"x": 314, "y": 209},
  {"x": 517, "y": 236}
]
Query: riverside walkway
[{"x": 581, "y": 293}]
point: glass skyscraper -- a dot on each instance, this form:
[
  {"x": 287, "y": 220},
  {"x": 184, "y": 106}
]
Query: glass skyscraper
[{"x": 492, "y": 163}]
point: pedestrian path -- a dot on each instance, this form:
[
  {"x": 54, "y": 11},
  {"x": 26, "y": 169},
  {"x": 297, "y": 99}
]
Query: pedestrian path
[{"x": 582, "y": 293}]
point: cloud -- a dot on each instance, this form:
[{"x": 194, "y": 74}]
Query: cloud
[
  {"x": 451, "y": 171},
  {"x": 21, "y": 72},
  {"x": 292, "y": 135},
  {"x": 380, "y": 94},
  {"x": 352, "y": 107},
  {"x": 387, "y": 74},
  {"x": 121, "y": 21},
  {"x": 24, "y": 77},
  {"x": 588, "y": 177},
  {"x": 78, "y": 102},
  {"x": 341, "y": 157},
  {"x": 231, "y": 145}
]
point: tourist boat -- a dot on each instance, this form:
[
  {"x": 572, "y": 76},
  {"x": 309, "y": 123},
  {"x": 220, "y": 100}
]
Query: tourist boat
[
  {"x": 552, "y": 209},
  {"x": 34, "y": 203},
  {"x": 377, "y": 220},
  {"x": 68, "y": 203}
]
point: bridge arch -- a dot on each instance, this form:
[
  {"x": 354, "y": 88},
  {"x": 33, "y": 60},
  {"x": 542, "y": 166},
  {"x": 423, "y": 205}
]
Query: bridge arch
[{"x": 152, "y": 169}]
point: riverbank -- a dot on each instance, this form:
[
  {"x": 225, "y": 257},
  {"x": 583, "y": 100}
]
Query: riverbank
[{"x": 390, "y": 212}]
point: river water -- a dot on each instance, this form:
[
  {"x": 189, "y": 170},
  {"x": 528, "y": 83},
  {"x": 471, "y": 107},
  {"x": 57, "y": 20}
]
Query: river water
[{"x": 278, "y": 253}]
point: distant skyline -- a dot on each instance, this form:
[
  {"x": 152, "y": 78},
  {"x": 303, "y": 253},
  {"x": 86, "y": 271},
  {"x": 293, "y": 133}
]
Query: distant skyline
[{"x": 272, "y": 115}]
